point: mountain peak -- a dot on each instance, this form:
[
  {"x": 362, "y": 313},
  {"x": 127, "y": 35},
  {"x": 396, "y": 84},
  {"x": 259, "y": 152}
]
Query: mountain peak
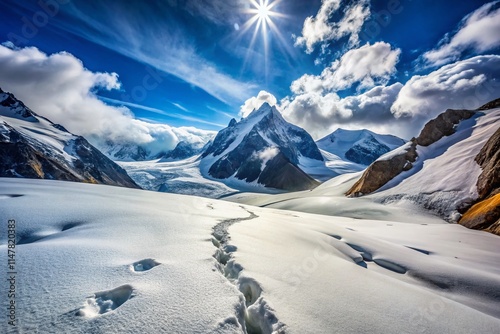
[
  {"x": 360, "y": 146},
  {"x": 241, "y": 151},
  {"x": 265, "y": 108},
  {"x": 14, "y": 108}
]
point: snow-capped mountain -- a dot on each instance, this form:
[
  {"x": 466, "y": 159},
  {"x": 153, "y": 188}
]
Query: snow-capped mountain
[
  {"x": 358, "y": 146},
  {"x": 184, "y": 150},
  {"x": 265, "y": 149},
  {"x": 447, "y": 168},
  {"x": 190, "y": 141},
  {"x": 32, "y": 146}
]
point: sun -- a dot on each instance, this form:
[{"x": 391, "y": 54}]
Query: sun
[
  {"x": 262, "y": 14},
  {"x": 263, "y": 10}
]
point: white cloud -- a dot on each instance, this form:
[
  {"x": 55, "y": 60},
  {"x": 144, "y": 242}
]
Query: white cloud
[
  {"x": 398, "y": 109},
  {"x": 60, "y": 88},
  {"x": 466, "y": 84},
  {"x": 320, "y": 114},
  {"x": 320, "y": 29},
  {"x": 367, "y": 66},
  {"x": 478, "y": 31},
  {"x": 256, "y": 102},
  {"x": 267, "y": 154}
]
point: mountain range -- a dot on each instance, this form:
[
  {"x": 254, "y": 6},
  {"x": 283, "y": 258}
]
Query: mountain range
[
  {"x": 451, "y": 168},
  {"x": 31, "y": 146}
]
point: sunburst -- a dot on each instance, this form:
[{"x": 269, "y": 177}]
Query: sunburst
[{"x": 262, "y": 14}]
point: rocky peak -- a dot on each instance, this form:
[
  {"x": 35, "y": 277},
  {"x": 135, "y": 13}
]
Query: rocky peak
[{"x": 15, "y": 108}]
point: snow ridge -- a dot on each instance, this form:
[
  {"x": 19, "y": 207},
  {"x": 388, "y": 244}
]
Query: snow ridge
[{"x": 255, "y": 315}]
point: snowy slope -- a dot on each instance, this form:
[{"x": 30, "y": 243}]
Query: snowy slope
[
  {"x": 34, "y": 147},
  {"x": 445, "y": 174},
  {"x": 99, "y": 259},
  {"x": 184, "y": 177}
]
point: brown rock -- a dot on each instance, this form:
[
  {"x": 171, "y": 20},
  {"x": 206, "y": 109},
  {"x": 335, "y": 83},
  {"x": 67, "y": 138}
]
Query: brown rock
[
  {"x": 443, "y": 125},
  {"x": 484, "y": 215},
  {"x": 488, "y": 158},
  {"x": 382, "y": 171}
]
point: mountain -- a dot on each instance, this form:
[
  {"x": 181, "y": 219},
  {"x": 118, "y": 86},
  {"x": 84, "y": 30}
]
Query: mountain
[
  {"x": 190, "y": 142},
  {"x": 358, "y": 146},
  {"x": 32, "y": 146},
  {"x": 184, "y": 150},
  {"x": 451, "y": 166},
  {"x": 265, "y": 149}
]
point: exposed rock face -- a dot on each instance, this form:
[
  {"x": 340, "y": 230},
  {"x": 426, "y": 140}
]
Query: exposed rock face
[
  {"x": 33, "y": 147},
  {"x": 280, "y": 173},
  {"x": 246, "y": 149},
  {"x": 485, "y": 214},
  {"x": 491, "y": 105},
  {"x": 382, "y": 171},
  {"x": 488, "y": 183},
  {"x": 443, "y": 125}
]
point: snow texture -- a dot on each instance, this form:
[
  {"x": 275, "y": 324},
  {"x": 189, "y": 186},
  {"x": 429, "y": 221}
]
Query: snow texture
[{"x": 100, "y": 259}]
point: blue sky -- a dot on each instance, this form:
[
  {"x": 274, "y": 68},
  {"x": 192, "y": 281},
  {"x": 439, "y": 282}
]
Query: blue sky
[{"x": 193, "y": 63}]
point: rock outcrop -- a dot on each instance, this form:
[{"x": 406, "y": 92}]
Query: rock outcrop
[
  {"x": 485, "y": 214},
  {"x": 443, "y": 125},
  {"x": 383, "y": 170}
]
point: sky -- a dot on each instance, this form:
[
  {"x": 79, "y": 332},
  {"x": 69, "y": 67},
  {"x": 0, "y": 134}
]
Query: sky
[{"x": 157, "y": 72}]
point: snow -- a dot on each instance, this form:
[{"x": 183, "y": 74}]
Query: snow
[
  {"x": 41, "y": 133},
  {"x": 184, "y": 177},
  {"x": 96, "y": 258},
  {"x": 343, "y": 140},
  {"x": 445, "y": 174}
]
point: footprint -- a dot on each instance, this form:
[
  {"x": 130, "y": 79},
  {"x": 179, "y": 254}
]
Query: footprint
[
  {"x": 144, "y": 265},
  {"x": 250, "y": 289},
  {"x": 105, "y": 301}
]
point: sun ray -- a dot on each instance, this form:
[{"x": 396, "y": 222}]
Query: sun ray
[{"x": 262, "y": 13}]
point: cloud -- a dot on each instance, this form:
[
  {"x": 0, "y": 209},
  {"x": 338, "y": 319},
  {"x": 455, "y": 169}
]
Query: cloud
[
  {"x": 398, "y": 109},
  {"x": 478, "y": 31},
  {"x": 60, "y": 88},
  {"x": 267, "y": 154},
  {"x": 367, "y": 66},
  {"x": 167, "y": 47},
  {"x": 466, "y": 84},
  {"x": 256, "y": 102},
  {"x": 320, "y": 114},
  {"x": 321, "y": 28}
]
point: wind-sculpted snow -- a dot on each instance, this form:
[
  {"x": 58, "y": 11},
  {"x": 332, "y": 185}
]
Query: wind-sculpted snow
[{"x": 100, "y": 259}]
